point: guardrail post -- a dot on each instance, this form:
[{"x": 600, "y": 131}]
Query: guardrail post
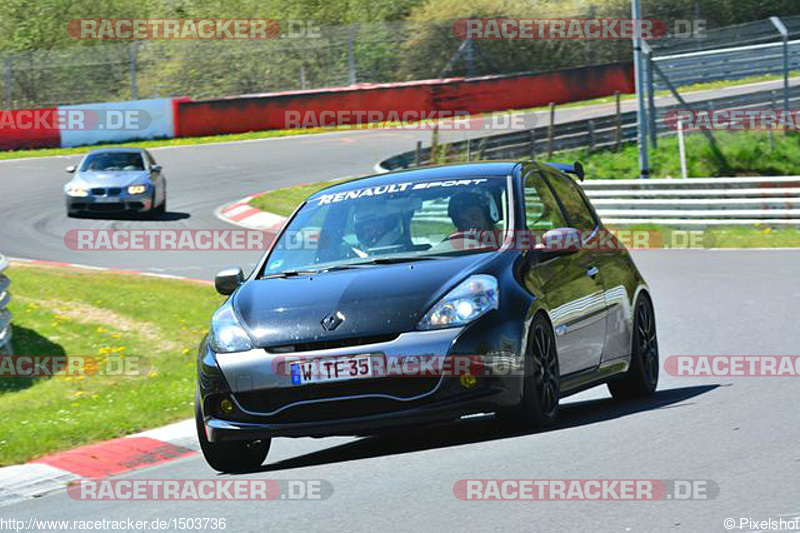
[
  {"x": 651, "y": 102},
  {"x": 769, "y": 130},
  {"x": 785, "y": 36},
  {"x": 8, "y": 79},
  {"x": 133, "y": 49},
  {"x": 532, "y": 133},
  {"x": 351, "y": 56},
  {"x": 682, "y": 148},
  {"x": 618, "y": 134},
  {"x": 434, "y": 157},
  {"x": 418, "y": 154},
  {"x": 591, "y": 135},
  {"x": 551, "y": 129}
]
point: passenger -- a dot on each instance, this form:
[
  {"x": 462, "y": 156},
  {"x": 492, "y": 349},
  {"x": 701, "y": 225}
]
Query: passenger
[{"x": 470, "y": 211}]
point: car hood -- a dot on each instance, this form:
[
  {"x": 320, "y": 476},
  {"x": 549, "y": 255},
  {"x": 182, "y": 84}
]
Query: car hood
[
  {"x": 376, "y": 300},
  {"x": 112, "y": 179}
]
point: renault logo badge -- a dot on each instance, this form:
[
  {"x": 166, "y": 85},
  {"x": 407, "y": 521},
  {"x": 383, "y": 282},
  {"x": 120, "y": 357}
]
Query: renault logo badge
[{"x": 332, "y": 321}]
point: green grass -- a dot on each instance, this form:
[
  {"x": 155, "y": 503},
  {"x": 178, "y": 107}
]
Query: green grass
[
  {"x": 101, "y": 315},
  {"x": 757, "y": 236},
  {"x": 284, "y": 201},
  {"x": 743, "y": 153}
]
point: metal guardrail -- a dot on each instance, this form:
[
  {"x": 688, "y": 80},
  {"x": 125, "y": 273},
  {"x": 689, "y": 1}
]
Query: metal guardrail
[
  {"x": 698, "y": 201},
  {"x": 686, "y": 202},
  {"x": 5, "y": 314},
  {"x": 756, "y": 48}
]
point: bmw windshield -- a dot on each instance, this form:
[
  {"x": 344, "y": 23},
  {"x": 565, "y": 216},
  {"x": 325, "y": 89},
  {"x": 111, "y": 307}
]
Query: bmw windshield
[{"x": 372, "y": 221}]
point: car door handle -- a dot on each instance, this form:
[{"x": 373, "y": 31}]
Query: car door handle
[{"x": 592, "y": 271}]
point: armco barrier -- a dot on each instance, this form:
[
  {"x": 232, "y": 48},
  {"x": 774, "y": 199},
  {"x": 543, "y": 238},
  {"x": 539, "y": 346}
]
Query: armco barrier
[
  {"x": 473, "y": 95},
  {"x": 159, "y": 113},
  {"x": 30, "y": 135},
  {"x": 767, "y": 200},
  {"x": 5, "y": 315},
  {"x": 39, "y": 128},
  {"x": 182, "y": 117}
]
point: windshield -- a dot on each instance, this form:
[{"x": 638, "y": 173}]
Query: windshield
[
  {"x": 112, "y": 161},
  {"x": 390, "y": 222}
]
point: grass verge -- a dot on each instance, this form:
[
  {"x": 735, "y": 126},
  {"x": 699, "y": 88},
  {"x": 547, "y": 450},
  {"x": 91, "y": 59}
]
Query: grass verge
[
  {"x": 743, "y": 153},
  {"x": 104, "y": 316},
  {"x": 284, "y": 201}
]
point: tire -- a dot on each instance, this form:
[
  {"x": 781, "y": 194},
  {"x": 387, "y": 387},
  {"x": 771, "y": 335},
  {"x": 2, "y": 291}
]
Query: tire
[
  {"x": 641, "y": 379},
  {"x": 230, "y": 457},
  {"x": 542, "y": 382},
  {"x": 158, "y": 210}
]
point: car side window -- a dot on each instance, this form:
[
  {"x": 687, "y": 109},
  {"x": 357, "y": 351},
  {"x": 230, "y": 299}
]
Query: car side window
[
  {"x": 577, "y": 211},
  {"x": 542, "y": 212}
]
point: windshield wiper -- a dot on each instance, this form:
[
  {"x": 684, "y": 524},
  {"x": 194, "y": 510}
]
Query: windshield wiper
[
  {"x": 290, "y": 274},
  {"x": 393, "y": 260}
]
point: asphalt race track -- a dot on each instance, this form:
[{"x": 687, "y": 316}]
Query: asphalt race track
[{"x": 742, "y": 433}]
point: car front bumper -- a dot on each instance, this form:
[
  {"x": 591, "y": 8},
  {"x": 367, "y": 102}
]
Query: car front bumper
[
  {"x": 267, "y": 404},
  {"x": 134, "y": 203}
]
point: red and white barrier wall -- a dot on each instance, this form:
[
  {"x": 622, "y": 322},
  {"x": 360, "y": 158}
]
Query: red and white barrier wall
[
  {"x": 183, "y": 117},
  {"x": 87, "y": 124}
]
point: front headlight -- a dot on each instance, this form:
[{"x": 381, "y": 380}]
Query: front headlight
[
  {"x": 227, "y": 335},
  {"x": 75, "y": 190},
  {"x": 472, "y": 298},
  {"x": 136, "y": 189}
]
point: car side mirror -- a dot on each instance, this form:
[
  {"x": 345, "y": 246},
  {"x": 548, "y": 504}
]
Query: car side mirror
[
  {"x": 227, "y": 281},
  {"x": 557, "y": 242},
  {"x": 156, "y": 168},
  {"x": 71, "y": 169}
]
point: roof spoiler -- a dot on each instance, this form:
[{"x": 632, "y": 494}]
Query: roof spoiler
[{"x": 570, "y": 168}]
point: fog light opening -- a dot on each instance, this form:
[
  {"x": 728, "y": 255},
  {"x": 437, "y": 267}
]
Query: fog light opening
[
  {"x": 468, "y": 381},
  {"x": 226, "y": 406}
]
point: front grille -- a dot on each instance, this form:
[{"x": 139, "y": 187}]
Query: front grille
[
  {"x": 330, "y": 344},
  {"x": 265, "y": 401},
  {"x": 106, "y": 207},
  {"x": 114, "y": 191},
  {"x": 98, "y": 191}
]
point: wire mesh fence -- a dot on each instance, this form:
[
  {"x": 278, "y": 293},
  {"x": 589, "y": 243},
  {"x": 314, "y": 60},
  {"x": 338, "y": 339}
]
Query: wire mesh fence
[
  {"x": 341, "y": 55},
  {"x": 365, "y": 52}
]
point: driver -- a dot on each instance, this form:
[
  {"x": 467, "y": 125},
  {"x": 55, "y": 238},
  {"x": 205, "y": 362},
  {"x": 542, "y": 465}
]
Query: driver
[
  {"x": 376, "y": 230},
  {"x": 470, "y": 211}
]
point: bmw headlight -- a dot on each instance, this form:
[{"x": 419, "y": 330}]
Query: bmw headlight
[
  {"x": 75, "y": 190},
  {"x": 136, "y": 189},
  {"x": 227, "y": 335},
  {"x": 472, "y": 298}
]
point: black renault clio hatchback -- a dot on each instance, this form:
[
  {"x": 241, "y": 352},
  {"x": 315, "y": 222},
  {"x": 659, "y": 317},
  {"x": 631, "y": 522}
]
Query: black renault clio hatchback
[{"x": 423, "y": 296}]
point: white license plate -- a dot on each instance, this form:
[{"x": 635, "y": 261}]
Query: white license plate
[
  {"x": 328, "y": 369},
  {"x": 106, "y": 200}
]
